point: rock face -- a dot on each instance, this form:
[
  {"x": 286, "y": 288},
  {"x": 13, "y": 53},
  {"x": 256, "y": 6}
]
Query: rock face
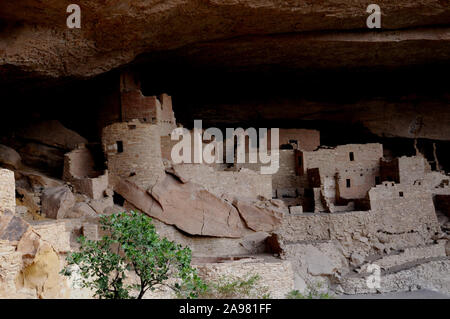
[
  {"x": 432, "y": 275},
  {"x": 239, "y": 35},
  {"x": 361, "y": 215},
  {"x": 33, "y": 44},
  {"x": 57, "y": 201},
  {"x": 29, "y": 266},
  {"x": 9, "y": 157},
  {"x": 60, "y": 137},
  {"x": 81, "y": 210}
]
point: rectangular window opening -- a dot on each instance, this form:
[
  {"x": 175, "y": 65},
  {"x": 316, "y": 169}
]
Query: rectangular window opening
[{"x": 119, "y": 146}]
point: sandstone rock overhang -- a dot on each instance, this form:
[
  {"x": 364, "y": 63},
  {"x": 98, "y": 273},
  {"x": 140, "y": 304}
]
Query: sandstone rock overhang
[{"x": 37, "y": 43}]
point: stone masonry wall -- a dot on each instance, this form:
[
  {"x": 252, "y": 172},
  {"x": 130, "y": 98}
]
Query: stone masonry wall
[
  {"x": 403, "y": 208},
  {"x": 357, "y": 166},
  {"x": 243, "y": 183},
  {"x": 137, "y": 106},
  {"x": 7, "y": 191},
  {"x": 401, "y": 216},
  {"x": 412, "y": 169},
  {"x": 167, "y": 120},
  {"x": 327, "y": 160},
  {"x": 286, "y": 178},
  {"x": 133, "y": 152},
  {"x": 79, "y": 171}
]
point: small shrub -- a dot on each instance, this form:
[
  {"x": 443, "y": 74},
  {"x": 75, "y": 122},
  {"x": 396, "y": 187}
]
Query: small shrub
[
  {"x": 228, "y": 287},
  {"x": 313, "y": 293}
]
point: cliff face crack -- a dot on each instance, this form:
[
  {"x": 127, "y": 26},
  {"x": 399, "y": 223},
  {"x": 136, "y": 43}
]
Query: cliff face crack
[
  {"x": 203, "y": 223},
  {"x": 239, "y": 214}
]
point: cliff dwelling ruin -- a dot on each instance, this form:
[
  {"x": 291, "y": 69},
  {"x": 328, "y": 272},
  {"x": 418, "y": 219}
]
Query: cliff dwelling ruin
[{"x": 363, "y": 155}]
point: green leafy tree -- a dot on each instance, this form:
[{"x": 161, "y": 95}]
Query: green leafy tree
[{"x": 132, "y": 244}]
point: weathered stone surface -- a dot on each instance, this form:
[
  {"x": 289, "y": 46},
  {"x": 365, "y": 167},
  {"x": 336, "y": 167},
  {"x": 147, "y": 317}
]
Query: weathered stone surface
[
  {"x": 198, "y": 210},
  {"x": 187, "y": 206},
  {"x": 245, "y": 183},
  {"x": 296, "y": 209},
  {"x": 30, "y": 200},
  {"x": 81, "y": 210},
  {"x": 113, "y": 209},
  {"x": 277, "y": 275},
  {"x": 142, "y": 26},
  {"x": 54, "y": 233},
  {"x": 407, "y": 256},
  {"x": 402, "y": 208},
  {"x": 79, "y": 171},
  {"x": 91, "y": 231},
  {"x": 259, "y": 218},
  {"x": 12, "y": 228},
  {"x": 36, "y": 179},
  {"x": 133, "y": 152},
  {"x": 57, "y": 201},
  {"x": 60, "y": 136},
  {"x": 432, "y": 274},
  {"x": 42, "y": 156},
  {"x": 203, "y": 246},
  {"x": 7, "y": 190},
  {"x": 255, "y": 243},
  {"x": 357, "y": 259},
  {"x": 9, "y": 157},
  {"x": 29, "y": 258},
  {"x": 10, "y": 267},
  {"x": 318, "y": 259},
  {"x": 99, "y": 205},
  {"x": 42, "y": 275},
  {"x": 401, "y": 216}
]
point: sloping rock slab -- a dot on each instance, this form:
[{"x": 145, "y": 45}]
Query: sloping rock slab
[
  {"x": 258, "y": 218},
  {"x": 187, "y": 206}
]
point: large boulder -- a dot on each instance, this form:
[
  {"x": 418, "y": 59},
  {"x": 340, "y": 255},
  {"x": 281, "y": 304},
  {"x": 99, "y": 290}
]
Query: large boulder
[
  {"x": 187, "y": 206},
  {"x": 57, "y": 201},
  {"x": 9, "y": 157}
]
